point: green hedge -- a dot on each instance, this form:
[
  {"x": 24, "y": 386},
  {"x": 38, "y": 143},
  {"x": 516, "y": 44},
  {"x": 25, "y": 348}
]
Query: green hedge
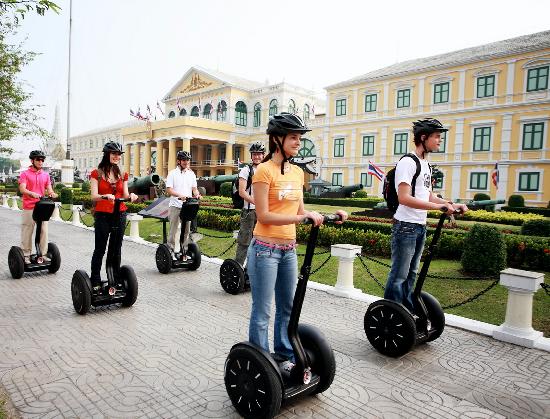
[
  {"x": 344, "y": 202},
  {"x": 493, "y": 217},
  {"x": 528, "y": 210}
]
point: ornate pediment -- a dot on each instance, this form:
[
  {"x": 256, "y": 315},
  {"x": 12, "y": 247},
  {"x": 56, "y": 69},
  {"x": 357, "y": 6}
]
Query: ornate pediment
[{"x": 196, "y": 83}]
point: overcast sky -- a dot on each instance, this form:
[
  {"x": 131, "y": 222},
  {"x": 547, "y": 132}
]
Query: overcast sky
[{"x": 129, "y": 53}]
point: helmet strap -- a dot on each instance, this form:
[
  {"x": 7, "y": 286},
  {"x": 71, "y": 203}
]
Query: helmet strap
[{"x": 285, "y": 158}]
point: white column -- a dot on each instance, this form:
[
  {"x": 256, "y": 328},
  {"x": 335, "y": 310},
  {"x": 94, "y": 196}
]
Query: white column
[
  {"x": 510, "y": 74},
  {"x": 517, "y": 327},
  {"x": 14, "y": 206},
  {"x": 353, "y": 158},
  {"x": 421, "y": 81},
  {"x": 346, "y": 254},
  {"x": 506, "y": 136},
  {"x": 134, "y": 227},
  {"x": 384, "y": 143},
  {"x": 55, "y": 215},
  {"x": 461, "y": 84},
  {"x": 5, "y": 203},
  {"x": 386, "y": 97},
  {"x": 459, "y": 138},
  {"x": 455, "y": 184},
  {"x": 324, "y": 168},
  {"x": 502, "y": 182},
  {"x": 76, "y": 215}
]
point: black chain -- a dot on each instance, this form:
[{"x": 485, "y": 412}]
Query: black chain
[
  {"x": 546, "y": 288},
  {"x": 472, "y": 298},
  {"x": 225, "y": 251},
  {"x": 368, "y": 270},
  {"x": 320, "y": 266},
  {"x": 85, "y": 212},
  {"x": 61, "y": 214},
  {"x": 215, "y": 237},
  {"x": 314, "y": 254}
]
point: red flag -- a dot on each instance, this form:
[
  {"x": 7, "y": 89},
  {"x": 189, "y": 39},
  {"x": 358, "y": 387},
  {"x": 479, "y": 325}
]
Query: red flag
[{"x": 494, "y": 175}]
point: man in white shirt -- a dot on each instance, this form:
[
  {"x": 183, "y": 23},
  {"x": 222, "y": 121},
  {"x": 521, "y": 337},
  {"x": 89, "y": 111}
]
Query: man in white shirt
[
  {"x": 181, "y": 184},
  {"x": 248, "y": 212},
  {"x": 409, "y": 228}
]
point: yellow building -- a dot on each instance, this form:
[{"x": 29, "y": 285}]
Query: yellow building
[{"x": 495, "y": 100}]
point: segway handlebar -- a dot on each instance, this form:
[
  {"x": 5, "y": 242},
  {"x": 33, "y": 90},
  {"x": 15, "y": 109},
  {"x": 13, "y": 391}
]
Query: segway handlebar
[
  {"x": 118, "y": 199},
  {"x": 327, "y": 218}
]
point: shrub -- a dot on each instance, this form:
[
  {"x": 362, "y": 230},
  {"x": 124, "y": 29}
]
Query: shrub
[
  {"x": 77, "y": 185},
  {"x": 360, "y": 194},
  {"x": 484, "y": 251},
  {"x": 226, "y": 189},
  {"x": 66, "y": 196},
  {"x": 516, "y": 201},
  {"x": 536, "y": 228},
  {"x": 480, "y": 196},
  {"x": 308, "y": 194},
  {"x": 86, "y": 186},
  {"x": 58, "y": 187}
]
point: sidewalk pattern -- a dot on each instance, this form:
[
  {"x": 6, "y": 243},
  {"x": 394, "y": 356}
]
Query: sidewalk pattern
[{"x": 164, "y": 356}]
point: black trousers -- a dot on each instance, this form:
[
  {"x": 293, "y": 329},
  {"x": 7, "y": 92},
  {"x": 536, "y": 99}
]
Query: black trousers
[{"x": 104, "y": 221}]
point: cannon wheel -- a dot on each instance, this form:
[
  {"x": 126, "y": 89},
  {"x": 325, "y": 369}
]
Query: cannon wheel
[{"x": 160, "y": 189}]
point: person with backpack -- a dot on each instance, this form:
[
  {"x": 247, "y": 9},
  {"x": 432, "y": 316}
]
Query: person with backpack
[
  {"x": 409, "y": 185},
  {"x": 181, "y": 184},
  {"x": 246, "y": 195},
  {"x": 272, "y": 263},
  {"x": 107, "y": 182},
  {"x": 33, "y": 184}
]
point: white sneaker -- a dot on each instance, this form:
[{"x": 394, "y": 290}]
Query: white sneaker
[
  {"x": 287, "y": 366},
  {"x": 46, "y": 259},
  {"x": 27, "y": 260}
]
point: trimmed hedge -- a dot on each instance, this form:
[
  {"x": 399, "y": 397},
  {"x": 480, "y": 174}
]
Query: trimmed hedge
[
  {"x": 493, "y": 217},
  {"x": 536, "y": 228},
  {"x": 226, "y": 189},
  {"x": 484, "y": 251},
  {"x": 516, "y": 201},
  {"x": 528, "y": 210},
  {"x": 344, "y": 202},
  {"x": 66, "y": 196}
]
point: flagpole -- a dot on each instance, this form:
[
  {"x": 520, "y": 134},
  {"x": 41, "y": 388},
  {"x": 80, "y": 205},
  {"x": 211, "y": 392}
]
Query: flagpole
[{"x": 67, "y": 152}]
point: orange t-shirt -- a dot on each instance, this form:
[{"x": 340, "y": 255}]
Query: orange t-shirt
[{"x": 284, "y": 197}]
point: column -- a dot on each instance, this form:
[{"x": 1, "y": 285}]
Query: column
[
  {"x": 127, "y": 158},
  {"x": 137, "y": 158},
  {"x": 160, "y": 158},
  {"x": 215, "y": 154},
  {"x": 172, "y": 154},
  {"x": 421, "y": 87},
  {"x": 346, "y": 254},
  {"x": 353, "y": 159},
  {"x": 186, "y": 144},
  {"x": 510, "y": 74},
  {"x": 461, "y": 84},
  {"x": 229, "y": 158},
  {"x": 147, "y": 156},
  {"x": 506, "y": 137}
]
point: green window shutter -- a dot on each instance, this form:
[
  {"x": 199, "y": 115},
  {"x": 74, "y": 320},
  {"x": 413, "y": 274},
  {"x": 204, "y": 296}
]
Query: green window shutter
[
  {"x": 529, "y": 181},
  {"x": 339, "y": 147},
  {"x": 532, "y": 136},
  {"x": 441, "y": 93},
  {"x": 537, "y": 79},
  {"x": 404, "y": 98},
  {"x": 340, "y": 107},
  {"x": 400, "y": 143},
  {"x": 368, "y": 145},
  {"x": 482, "y": 139},
  {"x": 486, "y": 86},
  {"x": 337, "y": 179},
  {"x": 370, "y": 103}
]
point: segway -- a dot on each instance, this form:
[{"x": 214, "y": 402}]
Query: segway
[
  {"x": 42, "y": 212},
  {"x": 121, "y": 286},
  {"x": 255, "y": 380},
  {"x": 233, "y": 277},
  {"x": 168, "y": 259}
]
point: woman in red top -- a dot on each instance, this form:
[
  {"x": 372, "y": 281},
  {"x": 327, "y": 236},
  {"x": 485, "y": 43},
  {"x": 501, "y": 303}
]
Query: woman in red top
[{"x": 108, "y": 183}]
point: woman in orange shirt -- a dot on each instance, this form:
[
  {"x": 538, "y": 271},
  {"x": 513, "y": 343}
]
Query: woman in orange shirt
[{"x": 272, "y": 262}]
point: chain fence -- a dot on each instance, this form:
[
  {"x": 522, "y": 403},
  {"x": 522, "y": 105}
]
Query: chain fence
[
  {"x": 546, "y": 288},
  {"x": 222, "y": 253}
]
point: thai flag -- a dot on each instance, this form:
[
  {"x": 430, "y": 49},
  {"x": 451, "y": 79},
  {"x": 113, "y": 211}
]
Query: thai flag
[
  {"x": 178, "y": 104},
  {"x": 159, "y": 108},
  {"x": 376, "y": 171},
  {"x": 494, "y": 175}
]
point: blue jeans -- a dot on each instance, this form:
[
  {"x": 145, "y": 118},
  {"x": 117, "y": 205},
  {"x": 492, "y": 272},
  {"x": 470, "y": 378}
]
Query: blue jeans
[
  {"x": 271, "y": 271},
  {"x": 407, "y": 244}
]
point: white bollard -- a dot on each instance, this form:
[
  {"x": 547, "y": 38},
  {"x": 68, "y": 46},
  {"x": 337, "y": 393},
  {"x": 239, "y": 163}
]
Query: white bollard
[
  {"x": 346, "y": 253},
  {"x": 517, "y": 327},
  {"x": 55, "y": 214},
  {"x": 14, "y": 206},
  {"x": 5, "y": 202},
  {"x": 236, "y": 234},
  {"x": 76, "y": 215},
  {"x": 134, "y": 227}
]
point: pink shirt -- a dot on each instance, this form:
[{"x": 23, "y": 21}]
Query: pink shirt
[{"x": 36, "y": 181}]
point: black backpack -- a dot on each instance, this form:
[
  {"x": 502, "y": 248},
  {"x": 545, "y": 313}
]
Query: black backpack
[
  {"x": 389, "y": 192},
  {"x": 238, "y": 201}
]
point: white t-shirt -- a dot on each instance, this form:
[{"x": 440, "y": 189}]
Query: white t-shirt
[
  {"x": 404, "y": 172},
  {"x": 243, "y": 174},
  {"x": 182, "y": 183}
]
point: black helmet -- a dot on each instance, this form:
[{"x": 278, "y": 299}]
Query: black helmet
[
  {"x": 257, "y": 147},
  {"x": 36, "y": 153},
  {"x": 284, "y": 122},
  {"x": 428, "y": 126},
  {"x": 183, "y": 155},
  {"x": 113, "y": 147}
]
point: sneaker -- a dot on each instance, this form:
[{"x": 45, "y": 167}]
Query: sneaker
[
  {"x": 185, "y": 258},
  {"x": 27, "y": 260},
  {"x": 46, "y": 259},
  {"x": 287, "y": 366}
]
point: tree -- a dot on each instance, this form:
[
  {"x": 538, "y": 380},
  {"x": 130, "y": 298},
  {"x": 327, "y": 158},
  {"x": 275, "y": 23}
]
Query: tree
[{"x": 17, "y": 116}]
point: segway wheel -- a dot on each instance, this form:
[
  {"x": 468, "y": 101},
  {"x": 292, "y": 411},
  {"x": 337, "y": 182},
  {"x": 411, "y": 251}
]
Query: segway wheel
[
  {"x": 194, "y": 253},
  {"x": 324, "y": 364},
  {"x": 16, "y": 262},
  {"x": 130, "y": 284},
  {"x": 55, "y": 256},
  {"x": 163, "y": 258},
  {"x": 81, "y": 287},
  {"x": 390, "y": 328},
  {"x": 232, "y": 276},
  {"x": 252, "y": 383},
  {"x": 436, "y": 316}
]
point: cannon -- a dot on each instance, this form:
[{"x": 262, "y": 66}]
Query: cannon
[
  {"x": 212, "y": 183},
  {"x": 341, "y": 191},
  {"x": 147, "y": 187}
]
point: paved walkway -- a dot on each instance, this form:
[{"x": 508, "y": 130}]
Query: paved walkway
[{"x": 164, "y": 356}]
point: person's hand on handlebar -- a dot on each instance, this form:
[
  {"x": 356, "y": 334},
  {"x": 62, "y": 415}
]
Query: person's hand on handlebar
[
  {"x": 53, "y": 195},
  {"x": 462, "y": 208},
  {"x": 182, "y": 198},
  {"x": 343, "y": 216},
  {"x": 34, "y": 195},
  {"x": 314, "y": 216},
  {"x": 108, "y": 196},
  {"x": 133, "y": 197}
]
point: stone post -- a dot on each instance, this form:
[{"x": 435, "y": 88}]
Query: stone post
[
  {"x": 346, "y": 253},
  {"x": 517, "y": 327},
  {"x": 76, "y": 215},
  {"x": 14, "y": 206},
  {"x": 55, "y": 215},
  {"x": 134, "y": 227},
  {"x": 5, "y": 203}
]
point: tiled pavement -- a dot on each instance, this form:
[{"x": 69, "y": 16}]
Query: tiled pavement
[{"x": 164, "y": 356}]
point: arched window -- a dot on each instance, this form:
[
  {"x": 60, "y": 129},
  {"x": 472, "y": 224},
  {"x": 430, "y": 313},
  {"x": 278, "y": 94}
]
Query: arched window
[
  {"x": 183, "y": 112},
  {"x": 273, "y": 107},
  {"x": 172, "y": 114},
  {"x": 306, "y": 112},
  {"x": 307, "y": 149},
  {"x": 291, "y": 106},
  {"x": 240, "y": 114},
  {"x": 207, "y": 112},
  {"x": 257, "y": 114},
  {"x": 195, "y": 111},
  {"x": 221, "y": 113}
]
